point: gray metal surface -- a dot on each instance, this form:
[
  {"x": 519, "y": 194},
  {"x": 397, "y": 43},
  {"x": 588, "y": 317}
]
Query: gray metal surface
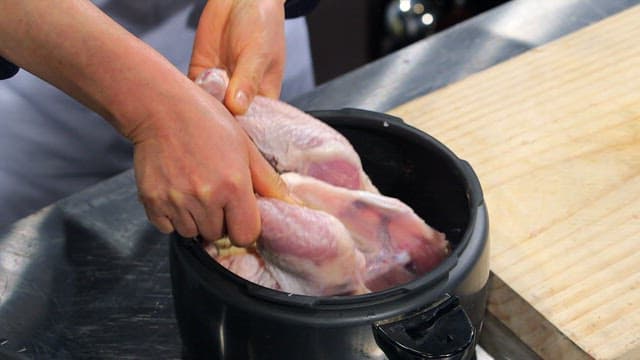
[
  {"x": 458, "y": 52},
  {"x": 88, "y": 278}
]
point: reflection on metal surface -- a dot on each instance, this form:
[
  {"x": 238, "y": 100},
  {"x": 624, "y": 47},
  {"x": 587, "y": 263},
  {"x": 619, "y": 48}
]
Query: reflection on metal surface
[
  {"x": 18, "y": 251},
  {"x": 10, "y": 263},
  {"x": 451, "y": 55},
  {"x": 76, "y": 296},
  {"x": 221, "y": 336},
  {"x": 551, "y": 17},
  {"x": 28, "y": 267},
  {"x": 374, "y": 352}
]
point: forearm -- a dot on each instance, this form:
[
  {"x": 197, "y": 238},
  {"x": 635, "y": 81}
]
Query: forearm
[{"x": 77, "y": 48}]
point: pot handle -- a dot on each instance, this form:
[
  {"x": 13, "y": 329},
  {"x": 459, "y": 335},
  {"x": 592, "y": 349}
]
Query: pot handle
[{"x": 441, "y": 331}]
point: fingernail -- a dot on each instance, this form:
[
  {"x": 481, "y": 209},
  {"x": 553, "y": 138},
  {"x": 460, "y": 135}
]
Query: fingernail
[{"x": 242, "y": 100}]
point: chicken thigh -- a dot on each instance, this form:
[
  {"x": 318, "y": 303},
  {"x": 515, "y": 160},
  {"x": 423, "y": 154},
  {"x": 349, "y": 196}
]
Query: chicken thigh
[
  {"x": 397, "y": 244},
  {"x": 308, "y": 251}
]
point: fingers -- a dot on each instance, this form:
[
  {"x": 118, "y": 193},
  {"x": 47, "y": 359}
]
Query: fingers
[
  {"x": 198, "y": 221},
  {"x": 160, "y": 221},
  {"x": 245, "y": 38},
  {"x": 243, "y": 219},
  {"x": 266, "y": 181},
  {"x": 168, "y": 216},
  {"x": 272, "y": 82},
  {"x": 156, "y": 215},
  {"x": 205, "y": 213},
  {"x": 188, "y": 216},
  {"x": 208, "y": 216},
  {"x": 258, "y": 71},
  {"x": 244, "y": 83},
  {"x": 208, "y": 38}
]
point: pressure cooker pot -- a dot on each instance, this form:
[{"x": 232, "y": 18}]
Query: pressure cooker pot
[{"x": 436, "y": 316}]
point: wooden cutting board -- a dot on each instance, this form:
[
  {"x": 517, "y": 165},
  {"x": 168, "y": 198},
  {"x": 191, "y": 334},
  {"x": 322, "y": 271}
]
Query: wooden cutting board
[{"x": 554, "y": 135}]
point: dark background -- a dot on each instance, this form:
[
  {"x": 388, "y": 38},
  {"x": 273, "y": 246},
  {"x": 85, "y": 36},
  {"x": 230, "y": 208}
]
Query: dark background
[{"x": 346, "y": 34}]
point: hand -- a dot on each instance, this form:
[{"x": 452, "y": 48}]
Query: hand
[
  {"x": 246, "y": 38},
  {"x": 195, "y": 167},
  {"x": 196, "y": 170}
]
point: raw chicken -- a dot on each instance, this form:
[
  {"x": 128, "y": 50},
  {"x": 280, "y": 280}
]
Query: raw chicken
[
  {"x": 301, "y": 251},
  {"x": 248, "y": 265},
  {"x": 347, "y": 239},
  {"x": 397, "y": 244},
  {"x": 312, "y": 148},
  {"x": 308, "y": 251}
]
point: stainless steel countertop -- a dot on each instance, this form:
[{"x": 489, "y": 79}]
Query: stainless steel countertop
[
  {"x": 88, "y": 277},
  {"x": 458, "y": 52}
]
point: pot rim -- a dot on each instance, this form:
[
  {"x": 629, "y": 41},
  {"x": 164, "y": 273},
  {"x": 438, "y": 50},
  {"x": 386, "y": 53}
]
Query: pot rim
[{"x": 423, "y": 290}]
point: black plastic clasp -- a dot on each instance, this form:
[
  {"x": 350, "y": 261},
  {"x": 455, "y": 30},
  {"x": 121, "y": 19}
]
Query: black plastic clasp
[{"x": 441, "y": 331}]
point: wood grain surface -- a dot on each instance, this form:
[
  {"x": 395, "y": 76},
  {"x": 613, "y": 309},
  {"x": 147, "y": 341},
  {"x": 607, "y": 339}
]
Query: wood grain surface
[{"x": 554, "y": 135}]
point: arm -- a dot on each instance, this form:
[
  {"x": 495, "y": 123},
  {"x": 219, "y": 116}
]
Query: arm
[{"x": 195, "y": 168}]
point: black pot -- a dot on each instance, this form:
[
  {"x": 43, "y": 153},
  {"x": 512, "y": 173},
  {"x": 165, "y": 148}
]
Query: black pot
[{"x": 437, "y": 316}]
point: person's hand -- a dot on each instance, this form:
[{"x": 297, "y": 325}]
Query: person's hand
[
  {"x": 196, "y": 170},
  {"x": 246, "y": 38}
]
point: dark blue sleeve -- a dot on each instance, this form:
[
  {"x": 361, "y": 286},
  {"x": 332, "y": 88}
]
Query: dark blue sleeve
[
  {"x": 295, "y": 8},
  {"x": 7, "y": 69},
  {"x": 292, "y": 9}
]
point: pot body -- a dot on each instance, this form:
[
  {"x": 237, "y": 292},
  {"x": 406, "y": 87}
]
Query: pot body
[{"x": 438, "y": 315}]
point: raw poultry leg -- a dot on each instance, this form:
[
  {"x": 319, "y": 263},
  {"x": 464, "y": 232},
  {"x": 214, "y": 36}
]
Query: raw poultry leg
[
  {"x": 293, "y": 140},
  {"x": 308, "y": 251},
  {"x": 397, "y": 244}
]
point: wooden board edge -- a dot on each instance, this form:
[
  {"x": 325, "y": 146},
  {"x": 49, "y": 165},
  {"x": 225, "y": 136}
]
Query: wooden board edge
[
  {"x": 528, "y": 325},
  {"x": 501, "y": 343}
]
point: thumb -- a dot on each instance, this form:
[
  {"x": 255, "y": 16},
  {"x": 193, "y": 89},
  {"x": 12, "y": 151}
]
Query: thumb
[
  {"x": 245, "y": 82},
  {"x": 266, "y": 181}
]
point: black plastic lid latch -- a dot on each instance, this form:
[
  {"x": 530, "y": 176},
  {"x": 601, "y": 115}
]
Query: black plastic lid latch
[{"x": 442, "y": 331}]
